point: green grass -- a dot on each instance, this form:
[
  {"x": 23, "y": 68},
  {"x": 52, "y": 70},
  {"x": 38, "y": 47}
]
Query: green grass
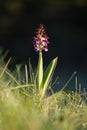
[{"x": 22, "y": 109}]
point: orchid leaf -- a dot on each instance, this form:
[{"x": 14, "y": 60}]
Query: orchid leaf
[{"x": 48, "y": 74}]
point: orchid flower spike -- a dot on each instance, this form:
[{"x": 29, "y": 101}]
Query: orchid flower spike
[{"x": 41, "y": 39}]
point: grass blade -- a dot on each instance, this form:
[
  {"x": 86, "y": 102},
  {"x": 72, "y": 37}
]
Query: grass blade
[
  {"x": 4, "y": 69},
  {"x": 66, "y": 84},
  {"x": 20, "y": 86},
  {"x": 26, "y": 74}
]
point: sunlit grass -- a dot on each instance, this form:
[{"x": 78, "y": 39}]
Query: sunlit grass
[{"x": 22, "y": 109}]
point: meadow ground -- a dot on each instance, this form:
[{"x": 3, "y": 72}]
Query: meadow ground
[{"x": 21, "y": 107}]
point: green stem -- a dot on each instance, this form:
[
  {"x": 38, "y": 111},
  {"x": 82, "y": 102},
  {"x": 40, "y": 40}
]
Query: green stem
[{"x": 40, "y": 69}]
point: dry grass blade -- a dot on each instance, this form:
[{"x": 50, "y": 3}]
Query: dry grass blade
[{"x": 4, "y": 69}]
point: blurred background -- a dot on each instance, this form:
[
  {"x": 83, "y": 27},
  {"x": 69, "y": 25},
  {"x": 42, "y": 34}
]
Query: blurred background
[{"x": 65, "y": 22}]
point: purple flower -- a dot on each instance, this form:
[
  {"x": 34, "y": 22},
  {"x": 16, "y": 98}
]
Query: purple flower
[{"x": 41, "y": 39}]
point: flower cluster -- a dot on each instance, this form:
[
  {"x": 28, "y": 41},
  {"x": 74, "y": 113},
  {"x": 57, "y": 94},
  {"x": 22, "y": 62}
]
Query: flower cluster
[{"x": 41, "y": 39}]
